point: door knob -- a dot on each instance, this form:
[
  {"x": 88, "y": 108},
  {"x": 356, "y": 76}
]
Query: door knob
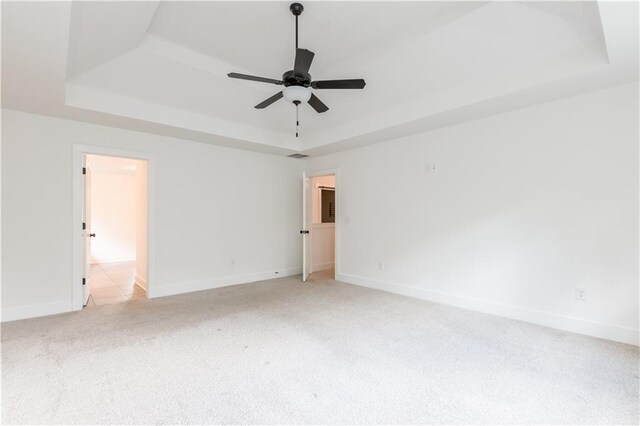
[{"x": 92, "y": 235}]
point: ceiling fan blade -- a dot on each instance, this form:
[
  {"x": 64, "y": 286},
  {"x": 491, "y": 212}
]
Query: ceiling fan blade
[
  {"x": 303, "y": 61},
  {"x": 253, "y": 78},
  {"x": 269, "y": 101},
  {"x": 339, "y": 84},
  {"x": 317, "y": 104}
]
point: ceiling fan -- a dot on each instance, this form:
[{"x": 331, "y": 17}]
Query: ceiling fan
[{"x": 297, "y": 82}]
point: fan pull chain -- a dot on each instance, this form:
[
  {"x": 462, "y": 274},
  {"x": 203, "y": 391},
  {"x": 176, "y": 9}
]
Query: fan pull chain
[{"x": 297, "y": 122}]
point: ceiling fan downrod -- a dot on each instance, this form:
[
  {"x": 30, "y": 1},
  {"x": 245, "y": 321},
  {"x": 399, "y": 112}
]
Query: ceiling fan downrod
[{"x": 296, "y": 9}]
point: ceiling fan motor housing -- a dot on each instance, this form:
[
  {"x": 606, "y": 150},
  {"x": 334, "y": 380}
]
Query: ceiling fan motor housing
[{"x": 291, "y": 78}]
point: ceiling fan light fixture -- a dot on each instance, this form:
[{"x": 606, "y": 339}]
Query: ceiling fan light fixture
[
  {"x": 297, "y": 82},
  {"x": 299, "y": 94}
]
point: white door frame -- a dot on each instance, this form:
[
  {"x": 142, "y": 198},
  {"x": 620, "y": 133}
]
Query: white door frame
[
  {"x": 336, "y": 173},
  {"x": 77, "y": 237}
]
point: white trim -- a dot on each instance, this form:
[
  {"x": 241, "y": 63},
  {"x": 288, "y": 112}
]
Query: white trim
[
  {"x": 521, "y": 313},
  {"x": 338, "y": 223},
  {"x": 189, "y": 287},
  {"x": 32, "y": 311},
  {"x": 323, "y": 225},
  {"x": 78, "y": 261},
  {"x": 117, "y": 259},
  {"x": 322, "y": 266},
  {"x": 140, "y": 282}
]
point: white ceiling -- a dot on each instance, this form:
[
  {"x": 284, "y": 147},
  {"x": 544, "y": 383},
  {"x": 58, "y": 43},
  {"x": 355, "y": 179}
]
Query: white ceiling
[{"x": 161, "y": 67}]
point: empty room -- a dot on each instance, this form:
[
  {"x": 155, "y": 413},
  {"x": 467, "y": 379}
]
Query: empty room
[{"x": 324, "y": 212}]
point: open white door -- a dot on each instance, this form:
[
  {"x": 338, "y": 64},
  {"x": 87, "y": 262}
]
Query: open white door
[
  {"x": 307, "y": 194},
  {"x": 86, "y": 226}
]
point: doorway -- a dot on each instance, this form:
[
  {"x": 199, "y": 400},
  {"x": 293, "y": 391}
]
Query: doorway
[
  {"x": 320, "y": 212},
  {"x": 115, "y": 227},
  {"x": 112, "y": 185}
]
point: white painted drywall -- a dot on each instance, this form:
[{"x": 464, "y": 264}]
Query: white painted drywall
[
  {"x": 521, "y": 208},
  {"x": 217, "y": 222},
  {"x": 141, "y": 223},
  {"x": 322, "y": 234},
  {"x": 113, "y": 215}
]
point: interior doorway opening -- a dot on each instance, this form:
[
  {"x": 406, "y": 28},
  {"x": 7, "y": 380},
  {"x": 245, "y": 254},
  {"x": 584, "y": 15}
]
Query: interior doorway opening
[
  {"x": 115, "y": 229},
  {"x": 320, "y": 242}
]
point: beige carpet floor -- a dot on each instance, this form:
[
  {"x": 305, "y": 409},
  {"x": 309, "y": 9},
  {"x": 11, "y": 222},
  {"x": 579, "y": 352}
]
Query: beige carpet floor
[{"x": 281, "y": 351}]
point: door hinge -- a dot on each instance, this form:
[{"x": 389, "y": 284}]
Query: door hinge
[
  {"x": 84, "y": 281},
  {"x": 304, "y": 231},
  {"x": 84, "y": 226},
  {"x": 84, "y": 170}
]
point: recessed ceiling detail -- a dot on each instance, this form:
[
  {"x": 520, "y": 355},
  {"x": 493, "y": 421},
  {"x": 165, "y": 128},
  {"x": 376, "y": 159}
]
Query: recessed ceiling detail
[{"x": 162, "y": 67}]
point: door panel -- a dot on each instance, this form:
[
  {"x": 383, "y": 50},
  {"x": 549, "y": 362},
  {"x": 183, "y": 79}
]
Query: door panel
[
  {"x": 307, "y": 200},
  {"x": 86, "y": 218}
]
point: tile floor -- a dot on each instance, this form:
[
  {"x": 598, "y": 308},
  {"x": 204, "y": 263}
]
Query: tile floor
[{"x": 111, "y": 283}]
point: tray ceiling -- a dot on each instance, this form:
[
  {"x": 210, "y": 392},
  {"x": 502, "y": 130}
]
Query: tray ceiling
[{"x": 161, "y": 67}]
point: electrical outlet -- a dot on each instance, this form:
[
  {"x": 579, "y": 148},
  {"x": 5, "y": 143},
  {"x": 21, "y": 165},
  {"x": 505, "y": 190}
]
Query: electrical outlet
[
  {"x": 581, "y": 294},
  {"x": 429, "y": 167}
]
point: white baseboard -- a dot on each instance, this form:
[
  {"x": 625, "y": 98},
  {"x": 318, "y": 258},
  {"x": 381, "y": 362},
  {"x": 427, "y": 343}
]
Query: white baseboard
[
  {"x": 548, "y": 319},
  {"x": 170, "y": 290},
  {"x": 41, "y": 310},
  {"x": 113, "y": 259},
  {"x": 322, "y": 266},
  {"x": 140, "y": 282},
  {"x": 32, "y": 311}
]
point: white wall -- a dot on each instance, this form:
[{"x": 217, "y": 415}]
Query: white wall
[
  {"x": 211, "y": 209},
  {"x": 322, "y": 234},
  {"x": 141, "y": 223},
  {"x": 520, "y": 209},
  {"x": 113, "y": 216}
]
